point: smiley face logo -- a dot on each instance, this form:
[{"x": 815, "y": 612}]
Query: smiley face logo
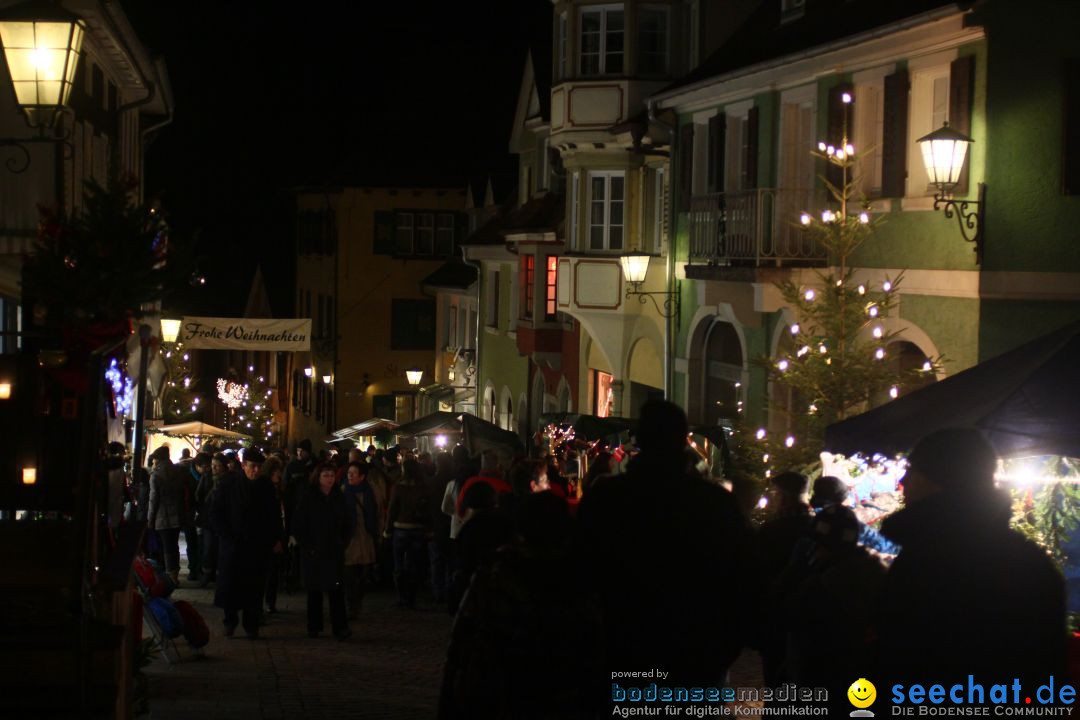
[{"x": 862, "y": 693}]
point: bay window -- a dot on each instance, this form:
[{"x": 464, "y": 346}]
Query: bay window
[
  {"x": 601, "y": 40},
  {"x": 607, "y": 206}
]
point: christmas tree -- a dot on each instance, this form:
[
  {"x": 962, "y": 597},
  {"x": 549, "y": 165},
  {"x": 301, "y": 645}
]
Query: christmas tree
[
  {"x": 250, "y": 408},
  {"x": 840, "y": 364},
  {"x": 178, "y": 397}
]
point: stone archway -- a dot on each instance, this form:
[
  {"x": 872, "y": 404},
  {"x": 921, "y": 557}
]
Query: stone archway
[{"x": 644, "y": 375}]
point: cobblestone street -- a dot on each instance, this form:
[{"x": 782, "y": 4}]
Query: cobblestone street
[{"x": 389, "y": 668}]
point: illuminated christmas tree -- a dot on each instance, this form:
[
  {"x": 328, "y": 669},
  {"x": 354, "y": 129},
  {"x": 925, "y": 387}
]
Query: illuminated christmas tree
[
  {"x": 179, "y": 400},
  {"x": 250, "y": 408},
  {"x": 839, "y": 365}
]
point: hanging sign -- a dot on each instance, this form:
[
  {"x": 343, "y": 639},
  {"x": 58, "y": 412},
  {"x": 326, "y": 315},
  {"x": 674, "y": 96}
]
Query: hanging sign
[{"x": 245, "y": 334}]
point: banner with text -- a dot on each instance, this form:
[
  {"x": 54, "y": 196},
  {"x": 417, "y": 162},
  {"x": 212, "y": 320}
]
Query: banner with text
[{"x": 204, "y": 333}]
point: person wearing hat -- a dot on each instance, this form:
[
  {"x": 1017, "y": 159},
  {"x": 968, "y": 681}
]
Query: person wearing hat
[
  {"x": 244, "y": 519},
  {"x": 166, "y": 512},
  {"x": 967, "y": 595},
  {"x": 828, "y": 605},
  {"x": 663, "y": 550}
]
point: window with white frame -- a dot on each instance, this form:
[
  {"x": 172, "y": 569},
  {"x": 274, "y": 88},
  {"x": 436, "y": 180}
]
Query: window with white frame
[
  {"x": 869, "y": 129},
  {"x": 607, "y": 210},
  {"x": 659, "y": 209},
  {"x": 929, "y": 110},
  {"x": 560, "y": 48},
  {"x": 404, "y": 233},
  {"x": 652, "y": 39},
  {"x": 575, "y": 208},
  {"x": 601, "y": 40},
  {"x": 444, "y": 234},
  {"x": 797, "y": 141}
]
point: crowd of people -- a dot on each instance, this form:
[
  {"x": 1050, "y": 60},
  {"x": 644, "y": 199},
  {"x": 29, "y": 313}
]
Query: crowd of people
[{"x": 657, "y": 567}]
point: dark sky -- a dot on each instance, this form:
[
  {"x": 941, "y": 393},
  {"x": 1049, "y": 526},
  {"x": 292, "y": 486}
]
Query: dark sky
[{"x": 273, "y": 95}]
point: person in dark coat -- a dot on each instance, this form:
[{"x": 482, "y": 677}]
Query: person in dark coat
[
  {"x": 439, "y": 544},
  {"x": 828, "y": 604},
  {"x": 167, "y": 513},
  {"x": 778, "y": 537},
  {"x": 409, "y": 519},
  {"x": 487, "y": 527},
  {"x": 204, "y": 497},
  {"x": 966, "y": 595},
  {"x": 671, "y": 558},
  {"x": 527, "y": 641},
  {"x": 322, "y": 525},
  {"x": 296, "y": 478},
  {"x": 243, "y": 517}
]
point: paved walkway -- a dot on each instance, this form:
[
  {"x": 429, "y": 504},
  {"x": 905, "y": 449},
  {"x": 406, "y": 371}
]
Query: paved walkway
[{"x": 389, "y": 668}]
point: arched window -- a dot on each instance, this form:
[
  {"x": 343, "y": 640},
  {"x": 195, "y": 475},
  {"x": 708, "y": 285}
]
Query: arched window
[
  {"x": 784, "y": 401},
  {"x": 903, "y": 357},
  {"x": 508, "y": 414},
  {"x": 489, "y": 404},
  {"x": 723, "y": 373}
]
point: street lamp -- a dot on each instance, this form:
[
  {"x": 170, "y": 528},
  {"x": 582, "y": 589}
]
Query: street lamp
[
  {"x": 414, "y": 375},
  {"x": 41, "y": 45},
  {"x": 170, "y": 330},
  {"x": 635, "y": 267},
  {"x": 944, "y": 152},
  {"x": 326, "y": 379}
]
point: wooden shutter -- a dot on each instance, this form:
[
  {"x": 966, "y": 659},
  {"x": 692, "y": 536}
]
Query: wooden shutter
[
  {"x": 715, "y": 165},
  {"x": 383, "y": 233},
  {"x": 1070, "y": 171},
  {"x": 961, "y": 89},
  {"x": 841, "y": 120},
  {"x": 686, "y": 165},
  {"x": 752, "y": 131},
  {"x": 894, "y": 135}
]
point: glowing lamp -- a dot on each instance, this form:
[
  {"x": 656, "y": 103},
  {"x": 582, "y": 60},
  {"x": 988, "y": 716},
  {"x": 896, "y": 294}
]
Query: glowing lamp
[
  {"x": 634, "y": 267},
  {"x": 309, "y": 371},
  {"x": 41, "y": 45},
  {"x": 450, "y": 375},
  {"x": 170, "y": 329},
  {"x": 440, "y": 441},
  {"x": 5, "y": 391},
  {"x": 414, "y": 375},
  {"x": 29, "y": 475},
  {"x": 944, "y": 152},
  {"x": 326, "y": 379}
]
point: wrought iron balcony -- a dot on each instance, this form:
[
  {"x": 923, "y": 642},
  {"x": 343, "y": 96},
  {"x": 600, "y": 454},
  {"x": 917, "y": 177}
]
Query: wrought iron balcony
[{"x": 758, "y": 227}]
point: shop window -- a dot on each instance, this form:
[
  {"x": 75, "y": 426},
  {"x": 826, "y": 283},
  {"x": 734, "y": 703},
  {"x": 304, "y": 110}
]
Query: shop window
[{"x": 604, "y": 394}]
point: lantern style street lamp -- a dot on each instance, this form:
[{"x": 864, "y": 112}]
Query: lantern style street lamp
[
  {"x": 635, "y": 267},
  {"x": 944, "y": 152},
  {"x": 414, "y": 375},
  {"x": 170, "y": 330},
  {"x": 41, "y": 46}
]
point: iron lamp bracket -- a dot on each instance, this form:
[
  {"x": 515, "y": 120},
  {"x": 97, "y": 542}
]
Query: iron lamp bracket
[
  {"x": 970, "y": 216},
  {"x": 667, "y": 308}
]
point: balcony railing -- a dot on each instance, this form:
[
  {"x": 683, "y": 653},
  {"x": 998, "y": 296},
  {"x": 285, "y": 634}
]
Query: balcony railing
[{"x": 752, "y": 227}]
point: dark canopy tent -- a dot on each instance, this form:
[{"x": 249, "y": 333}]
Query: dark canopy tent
[
  {"x": 480, "y": 435},
  {"x": 589, "y": 427},
  {"x": 1027, "y": 401},
  {"x": 437, "y": 423}
]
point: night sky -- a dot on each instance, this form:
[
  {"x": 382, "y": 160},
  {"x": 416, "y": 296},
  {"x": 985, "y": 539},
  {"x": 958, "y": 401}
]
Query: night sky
[{"x": 270, "y": 96}]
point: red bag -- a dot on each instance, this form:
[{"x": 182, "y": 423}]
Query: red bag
[
  {"x": 195, "y": 630},
  {"x": 145, "y": 572}
]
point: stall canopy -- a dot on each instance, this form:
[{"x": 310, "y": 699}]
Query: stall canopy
[
  {"x": 198, "y": 429},
  {"x": 589, "y": 427},
  {"x": 437, "y": 423},
  {"x": 480, "y": 435},
  {"x": 366, "y": 428},
  {"x": 1027, "y": 401}
]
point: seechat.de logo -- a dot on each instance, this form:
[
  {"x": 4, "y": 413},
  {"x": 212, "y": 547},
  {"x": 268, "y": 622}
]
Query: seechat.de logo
[{"x": 862, "y": 694}]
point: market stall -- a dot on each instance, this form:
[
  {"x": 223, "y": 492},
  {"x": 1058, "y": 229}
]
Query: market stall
[
  {"x": 372, "y": 431},
  {"x": 1026, "y": 401},
  {"x": 190, "y": 435}
]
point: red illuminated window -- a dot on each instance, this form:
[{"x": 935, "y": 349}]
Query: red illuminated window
[
  {"x": 551, "y": 287},
  {"x": 528, "y": 277}
]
